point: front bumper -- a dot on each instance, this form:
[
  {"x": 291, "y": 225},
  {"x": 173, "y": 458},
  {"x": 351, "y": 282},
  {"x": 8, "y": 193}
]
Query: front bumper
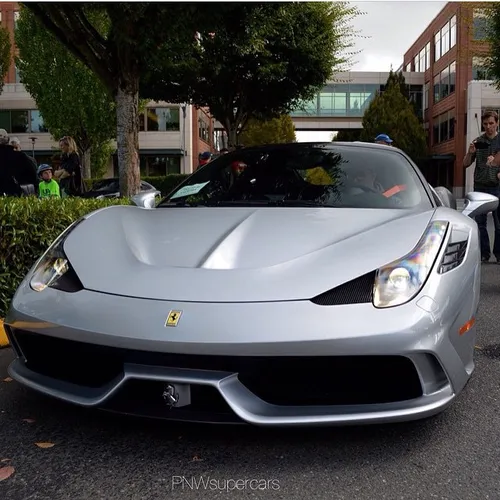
[{"x": 283, "y": 364}]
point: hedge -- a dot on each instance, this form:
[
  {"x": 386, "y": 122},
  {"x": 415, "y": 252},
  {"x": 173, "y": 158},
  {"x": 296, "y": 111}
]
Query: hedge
[
  {"x": 164, "y": 184},
  {"x": 27, "y": 228}
]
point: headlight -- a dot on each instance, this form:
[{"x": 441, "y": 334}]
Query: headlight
[
  {"x": 53, "y": 269},
  {"x": 398, "y": 282}
]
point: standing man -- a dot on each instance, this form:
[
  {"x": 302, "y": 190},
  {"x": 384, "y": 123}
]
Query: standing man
[
  {"x": 486, "y": 179},
  {"x": 383, "y": 139}
]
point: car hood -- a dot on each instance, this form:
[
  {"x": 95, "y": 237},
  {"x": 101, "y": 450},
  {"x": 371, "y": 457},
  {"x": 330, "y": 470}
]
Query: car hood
[{"x": 236, "y": 254}]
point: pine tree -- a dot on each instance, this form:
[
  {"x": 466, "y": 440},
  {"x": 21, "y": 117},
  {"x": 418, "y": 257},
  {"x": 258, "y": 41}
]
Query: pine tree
[{"x": 391, "y": 113}]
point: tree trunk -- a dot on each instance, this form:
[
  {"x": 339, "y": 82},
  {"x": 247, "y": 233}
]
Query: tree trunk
[
  {"x": 232, "y": 135},
  {"x": 86, "y": 170},
  {"x": 127, "y": 136}
]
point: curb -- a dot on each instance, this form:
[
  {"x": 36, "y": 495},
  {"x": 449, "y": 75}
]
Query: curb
[{"x": 4, "y": 342}]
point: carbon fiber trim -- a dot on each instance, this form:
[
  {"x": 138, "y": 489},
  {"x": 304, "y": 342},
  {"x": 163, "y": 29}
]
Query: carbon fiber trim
[{"x": 357, "y": 291}]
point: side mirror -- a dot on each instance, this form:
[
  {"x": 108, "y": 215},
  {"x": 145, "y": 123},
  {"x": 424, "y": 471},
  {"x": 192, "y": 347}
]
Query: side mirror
[
  {"x": 145, "y": 199},
  {"x": 477, "y": 203},
  {"x": 446, "y": 196}
]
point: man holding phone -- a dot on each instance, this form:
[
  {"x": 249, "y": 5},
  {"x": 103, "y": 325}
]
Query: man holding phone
[{"x": 486, "y": 178}]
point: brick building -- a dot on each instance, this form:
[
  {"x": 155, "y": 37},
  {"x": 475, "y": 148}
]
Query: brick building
[{"x": 449, "y": 52}]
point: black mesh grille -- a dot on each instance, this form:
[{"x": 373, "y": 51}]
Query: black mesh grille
[{"x": 357, "y": 291}]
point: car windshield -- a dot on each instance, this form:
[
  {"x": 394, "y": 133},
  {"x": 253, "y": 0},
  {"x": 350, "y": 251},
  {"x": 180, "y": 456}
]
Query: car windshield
[
  {"x": 319, "y": 175},
  {"x": 106, "y": 185}
]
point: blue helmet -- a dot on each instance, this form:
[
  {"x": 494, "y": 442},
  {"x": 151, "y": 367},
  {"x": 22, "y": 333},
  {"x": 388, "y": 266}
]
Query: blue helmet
[{"x": 42, "y": 168}]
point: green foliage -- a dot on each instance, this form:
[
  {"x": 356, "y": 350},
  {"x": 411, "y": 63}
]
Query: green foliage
[
  {"x": 5, "y": 53},
  {"x": 71, "y": 99},
  {"x": 261, "y": 61},
  {"x": 120, "y": 52},
  {"x": 391, "y": 113},
  {"x": 100, "y": 157},
  {"x": 492, "y": 61},
  {"x": 27, "y": 228},
  {"x": 164, "y": 184},
  {"x": 348, "y": 135},
  {"x": 274, "y": 131}
]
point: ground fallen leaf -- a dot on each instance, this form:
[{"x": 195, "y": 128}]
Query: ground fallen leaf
[
  {"x": 7, "y": 379},
  {"x": 5, "y": 460},
  {"x": 45, "y": 445},
  {"x": 6, "y": 472},
  {"x": 29, "y": 420}
]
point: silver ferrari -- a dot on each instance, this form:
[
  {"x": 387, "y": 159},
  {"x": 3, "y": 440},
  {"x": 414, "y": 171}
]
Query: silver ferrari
[{"x": 284, "y": 285}]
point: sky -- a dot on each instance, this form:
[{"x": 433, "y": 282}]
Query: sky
[{"x": 387, "y": 30}]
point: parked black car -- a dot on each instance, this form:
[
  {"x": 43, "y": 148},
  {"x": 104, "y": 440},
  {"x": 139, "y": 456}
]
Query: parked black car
[{"x": 110, "y": 188}]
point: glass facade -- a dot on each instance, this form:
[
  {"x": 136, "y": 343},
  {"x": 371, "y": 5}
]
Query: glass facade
[{"x": 349, "y": 100}]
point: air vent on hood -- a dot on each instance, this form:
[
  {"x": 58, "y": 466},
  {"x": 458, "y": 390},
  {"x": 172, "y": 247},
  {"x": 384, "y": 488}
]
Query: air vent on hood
[{"x": 357, "y": 291}]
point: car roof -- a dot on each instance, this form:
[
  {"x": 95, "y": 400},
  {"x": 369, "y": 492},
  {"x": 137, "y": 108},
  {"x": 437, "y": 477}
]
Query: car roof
[{"x": 322, "y": 144}]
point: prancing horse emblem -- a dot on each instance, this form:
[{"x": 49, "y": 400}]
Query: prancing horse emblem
[{"x": 173, "y": 318}]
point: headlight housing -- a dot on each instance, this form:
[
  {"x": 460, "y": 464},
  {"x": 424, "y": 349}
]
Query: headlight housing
[
  {"x": 53, "y": 268},
  {"x": 400, "y": 281}
]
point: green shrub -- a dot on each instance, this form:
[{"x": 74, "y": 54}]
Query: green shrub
[
  {"x": 27, "y": 228},
  {"x": 164, "y": 184}
]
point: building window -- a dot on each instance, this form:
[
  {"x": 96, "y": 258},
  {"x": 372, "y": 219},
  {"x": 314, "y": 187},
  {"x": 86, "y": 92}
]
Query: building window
[
  {"x": 445, "y": 82},
  {"x": 159, "y": 166},
  {"x": 428, "y": 56},
  {"x": 426, "y": 96},
  {"x": 445, "y": 38},
  {"x": 437, "y": 46},
  {"x": 479, "y": 25},
  {"x": 408, "y": 68},
  {"x": 437, "y": 88},
  {"x": 163, "y": 119},
  {"x": 479, "y": 69},
  {"x": 16, "y": 18},
  {"x": 453, "y": 31},
  {"x": 203, "y": 130},
  {"x": 416, "y": 63},
  {"x": 36, "y": 122},
  {"x": 18, "y": 77},
  {"x": 453, "y": 76},
  {"x": 443, "y": 127}
]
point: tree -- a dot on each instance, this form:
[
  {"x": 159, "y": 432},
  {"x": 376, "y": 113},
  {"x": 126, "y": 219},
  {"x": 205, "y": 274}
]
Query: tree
[
  {"x": 70, "y": 98},
  {"x": 391, "y": 113},
  {"x": 5, "y": 54},
  {"x": 492, "y": 29},
  {"x": 274, "y": 131},
  {"x": 348, "y": 135},
  {"x": 261, "y": 62},
  {"x": 135, "y": 35}
]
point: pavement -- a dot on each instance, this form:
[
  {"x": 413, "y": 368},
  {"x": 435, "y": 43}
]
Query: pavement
[{"x": 104, "y": 456}]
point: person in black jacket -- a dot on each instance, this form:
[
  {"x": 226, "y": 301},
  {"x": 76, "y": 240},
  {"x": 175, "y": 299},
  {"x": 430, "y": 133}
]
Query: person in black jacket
[
  {"x": 70, "y": 173},
  {"x": 17, "y": 173}
]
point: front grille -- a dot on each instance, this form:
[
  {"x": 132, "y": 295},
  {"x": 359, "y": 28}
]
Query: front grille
[
  {"x": 284, "y": 380},
  {"x": 357, "y": 291}
]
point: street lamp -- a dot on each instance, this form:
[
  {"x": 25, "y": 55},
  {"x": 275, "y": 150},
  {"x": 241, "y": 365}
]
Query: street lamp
[{"x": 33, "y": 140}]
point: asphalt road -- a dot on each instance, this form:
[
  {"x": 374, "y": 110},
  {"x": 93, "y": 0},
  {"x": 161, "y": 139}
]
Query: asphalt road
[{"x": 455, "y": 455}]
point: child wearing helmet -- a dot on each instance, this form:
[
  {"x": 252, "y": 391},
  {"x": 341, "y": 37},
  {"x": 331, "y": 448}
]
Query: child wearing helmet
[{"x": 48, "y": 187}]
